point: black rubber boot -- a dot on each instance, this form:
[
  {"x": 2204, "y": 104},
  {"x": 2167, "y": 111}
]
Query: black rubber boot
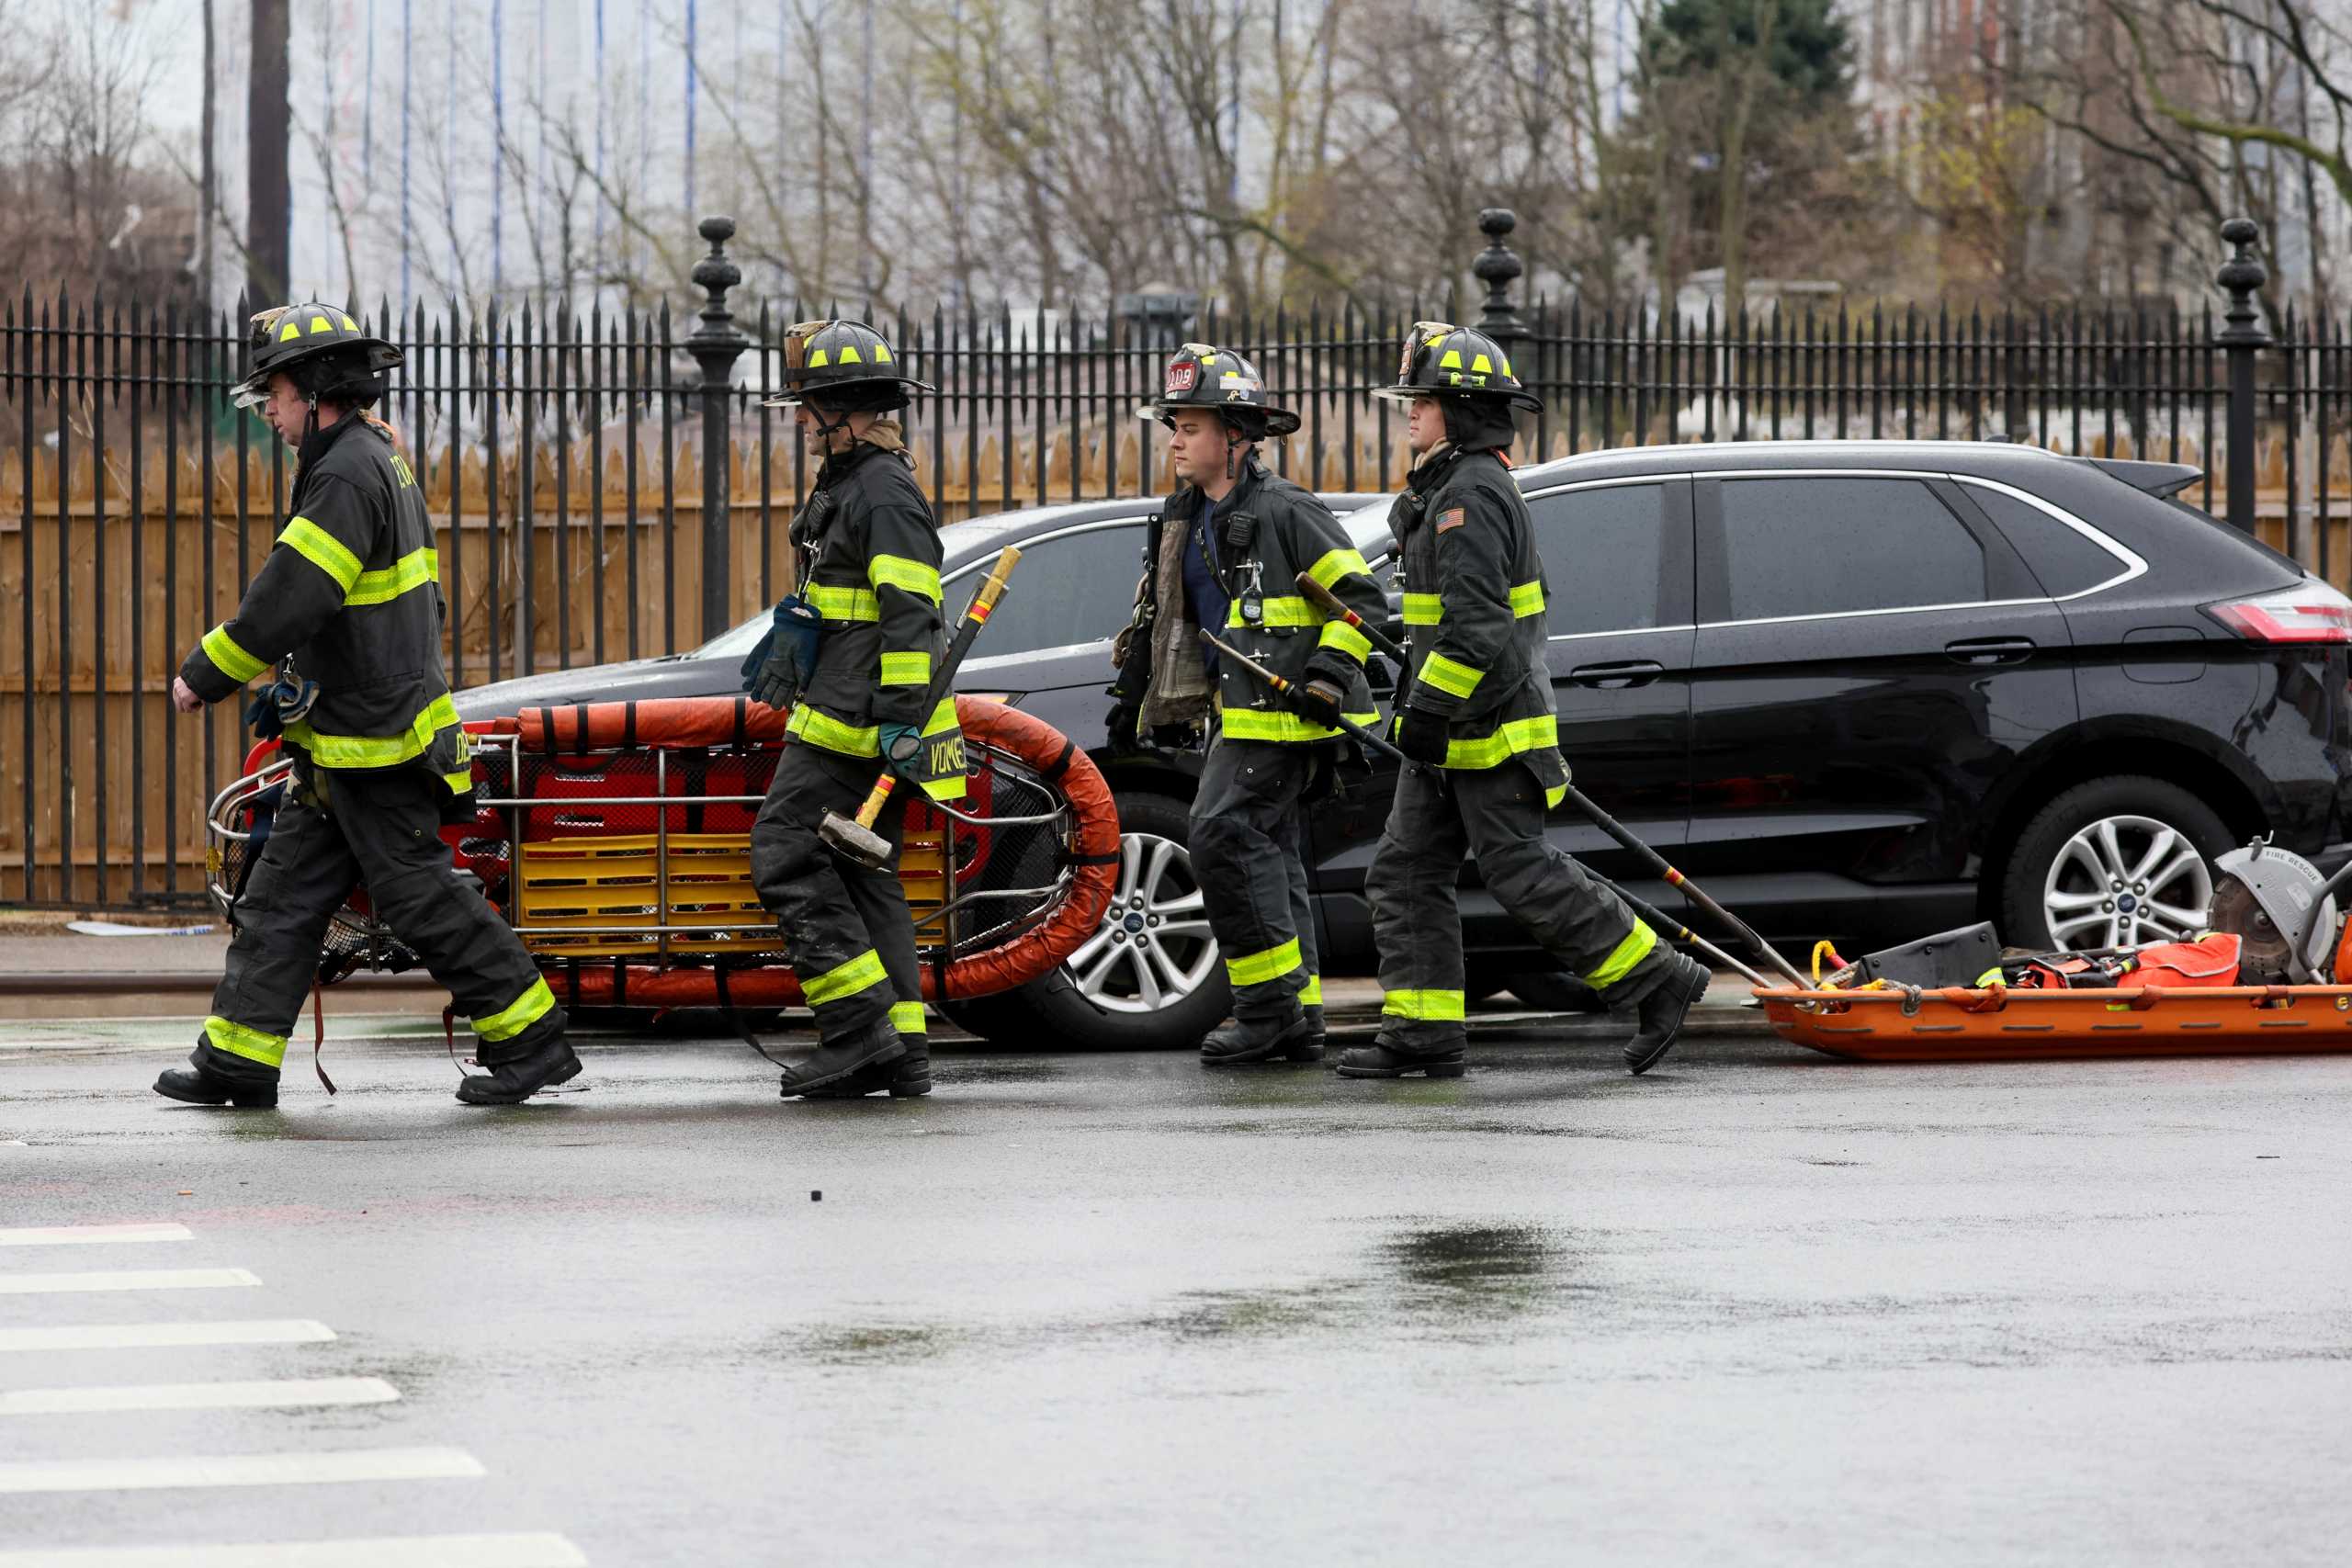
[
  {"x": 1662, "y": 1011},
  {"x": 1245, "y": 1039},
  {"x": 1384, "y": 1060},
  {"x": 831, "y": 1062},
  {"x": 1314, "y": 1033},
  {"x": 511, "y": 1083},
  {"x": 197, "y": 1085},
  {"x": 906, "y": 1078}
]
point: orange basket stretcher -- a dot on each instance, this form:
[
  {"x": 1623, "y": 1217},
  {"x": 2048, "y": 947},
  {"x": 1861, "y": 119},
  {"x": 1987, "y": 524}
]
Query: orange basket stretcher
[{"x": 1961, "y": 1023}]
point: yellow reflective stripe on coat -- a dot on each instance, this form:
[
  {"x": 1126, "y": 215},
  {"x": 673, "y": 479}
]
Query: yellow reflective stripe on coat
[
  {"x": 1509, "y": 742},
  {"x": 228, "y": 658},
  {"x": 1277, "y": 610},
  {"x": 824, "y": 730},
  {"x": 413, "y": 570},
  {"x": 907, "y": 1018},
  {"x": 1337, "y": 564},
  {"x": 1434, "y": 1006},
  {"x": 906, "y": 669},
  {"x": 1527, "y": 599},
  {"x": 322, "y": 550},
  {"x": 836, "y": 603},
  {"x": 1456, "y": 680},
  {"x": 269, "y": 1050},
  {"x": 1312, "y": 997},
  {"x": 1622, "y": 957},
  {"x": 536, "y": 1002},
  {"x": 376, "y": 751},
  {"x": 847, "y": 980},
  {"x": 1282, "y": 724},
  {"x": 1257, "y": 969},
  {"x": 1424, "y": 610},
  {"x": 1347, "y": 639},
  {"x": 897, "y": 571}
]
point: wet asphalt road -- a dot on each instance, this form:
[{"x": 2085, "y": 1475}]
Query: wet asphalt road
[{"x": 1757, "y": 1307}]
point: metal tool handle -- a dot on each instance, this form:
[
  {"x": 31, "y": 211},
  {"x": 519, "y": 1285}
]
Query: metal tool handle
[{"x": 1323, "y": 599}]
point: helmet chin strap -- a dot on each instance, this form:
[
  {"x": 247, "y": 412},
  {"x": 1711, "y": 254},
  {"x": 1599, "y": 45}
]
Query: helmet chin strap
[{"x": 826, "y": 429}]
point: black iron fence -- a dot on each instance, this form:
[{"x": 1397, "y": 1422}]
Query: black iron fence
[{"x": 611, "y": 487}]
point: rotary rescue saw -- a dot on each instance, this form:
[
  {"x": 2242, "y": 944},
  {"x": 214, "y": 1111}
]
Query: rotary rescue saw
[{"x": 2284, "y": 914}]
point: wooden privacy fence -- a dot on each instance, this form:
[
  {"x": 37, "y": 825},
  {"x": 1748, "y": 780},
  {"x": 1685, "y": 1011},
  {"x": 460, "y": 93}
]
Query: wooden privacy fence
[{"x": 563, "y": 458}]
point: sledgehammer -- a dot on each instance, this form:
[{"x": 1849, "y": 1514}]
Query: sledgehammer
[
  {"x": 855, "y": 838},
  {"x": 1329, "y": 603}
]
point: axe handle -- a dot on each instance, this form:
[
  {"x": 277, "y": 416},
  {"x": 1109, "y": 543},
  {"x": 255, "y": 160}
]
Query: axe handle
[
  {"x": 1330, "y": 605},
  {"x": 943, "y": 684}
]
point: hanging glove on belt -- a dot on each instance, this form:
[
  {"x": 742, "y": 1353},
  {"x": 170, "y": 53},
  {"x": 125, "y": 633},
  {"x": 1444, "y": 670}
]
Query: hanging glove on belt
[
  {"x": 786, "y": 656},
  {"x": 281, "y": 703}
]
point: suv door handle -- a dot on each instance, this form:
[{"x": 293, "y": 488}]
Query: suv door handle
[
  {"x": 1991, "y": 649},
  {"x": 1616, "y": 677}
]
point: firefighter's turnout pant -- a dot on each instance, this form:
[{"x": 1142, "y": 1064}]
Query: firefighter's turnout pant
[
  {"x": 383, "y": 829},
  {"x": 1496, "y": 815},
  {"x": 1246, "y": 855},
  {"x": 847, "y": 927}
]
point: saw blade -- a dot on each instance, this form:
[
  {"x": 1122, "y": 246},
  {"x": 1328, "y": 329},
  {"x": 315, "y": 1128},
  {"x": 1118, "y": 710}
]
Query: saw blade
[{"x": 2261, "y": 945}]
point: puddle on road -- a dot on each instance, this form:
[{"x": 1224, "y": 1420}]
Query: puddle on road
[{"x": 1460, "y": 1272}]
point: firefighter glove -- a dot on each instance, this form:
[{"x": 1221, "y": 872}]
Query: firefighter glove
[{"x": 1420, "y": 735}]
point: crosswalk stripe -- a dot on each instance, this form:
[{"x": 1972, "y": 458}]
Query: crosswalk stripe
[
  {"x": 149, "y": 1336},
  {"x": 515, "y": 1551},
  {"x": 236, "y": 1469},
  {"x": 89, "y": 1236},
  {"x": 125, "y": 1279},
  {"x": 275, "y": 1393}
]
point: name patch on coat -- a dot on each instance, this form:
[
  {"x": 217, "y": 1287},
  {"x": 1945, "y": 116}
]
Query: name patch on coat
[{"x": 1452, "y": 517}]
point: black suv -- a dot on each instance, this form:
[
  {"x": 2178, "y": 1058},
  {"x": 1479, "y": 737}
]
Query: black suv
[{"x": 1859, "y": 690}]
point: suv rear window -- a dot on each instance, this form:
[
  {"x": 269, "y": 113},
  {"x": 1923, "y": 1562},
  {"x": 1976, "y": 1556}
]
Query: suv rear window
[
  {"x": 1603, "y": 550},
  {"x": 1075, "y": 589},
  {"x": 1811, "y": 546}
]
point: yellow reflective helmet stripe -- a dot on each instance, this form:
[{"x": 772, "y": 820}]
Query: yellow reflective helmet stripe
[
  {"x": 1347, "y": 639},
  {"x": 536, "y": 1002},
  {"x": 1527, "y": 599},
  {"x": 228, "y": 658},
  {"x": 413, "y": 570},
  {"x": 1622, "y": 957},
  {"x": 1256, "y": 968},
  {"x": 269, "y": 1050},
  {"x": 823, "y": 730},
  {"x": 322, "y": 550},
  {"x": 1455, "y": 680},
  {"x": 1451, "y": 360},
  {"x": 1435, "y": 1007},
  {"x": 897, "y": 571},
  {"x": 1337, "y": 564},
  {"x": 1424, "y": 610},
  {"x": 906, "y": 669},
  {"x": 835, "y": 601},
  {"x": 1276, "y": 609},
  {"x": 1506, "y": 743},
  {"x": 844, "y": 980},
  {"x": 1281, "y": 725},
  {"x": 907, "y": 1018},
  {"x": 1312, "y": 996},
  {"x": 849, "y": 356},
  {"x": 377, "y": 750}
]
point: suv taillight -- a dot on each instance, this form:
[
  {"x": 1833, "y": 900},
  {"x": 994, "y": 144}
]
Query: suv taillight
[{"x": 2309, "y": 612}]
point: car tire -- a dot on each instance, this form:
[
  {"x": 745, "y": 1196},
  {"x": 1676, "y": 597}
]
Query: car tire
[
  {"x": 2055, "y": 866},
  {"x": 1095, "y": 1001}
]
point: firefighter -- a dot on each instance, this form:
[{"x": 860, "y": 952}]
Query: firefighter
[
  {"x": 853, "y": 653},
  {"x": 350, "y": 602},
  {"x": 1479, "y": 725},
  {"x": 1225, "y": 553}
]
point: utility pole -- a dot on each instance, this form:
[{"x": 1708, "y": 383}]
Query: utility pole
[{"x": 270, "y": 125}]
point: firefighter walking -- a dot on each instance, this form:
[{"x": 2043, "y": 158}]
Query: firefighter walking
[
  {"x": 1225, "y": 553},
  {"x": 350, "y": 599},
  {"x": 1478, "y": 720},
  {"x": 851, "y": 652}
]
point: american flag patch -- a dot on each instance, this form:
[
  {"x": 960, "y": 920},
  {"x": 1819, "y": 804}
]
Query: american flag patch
[{"x": 1450, "y": 518}]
